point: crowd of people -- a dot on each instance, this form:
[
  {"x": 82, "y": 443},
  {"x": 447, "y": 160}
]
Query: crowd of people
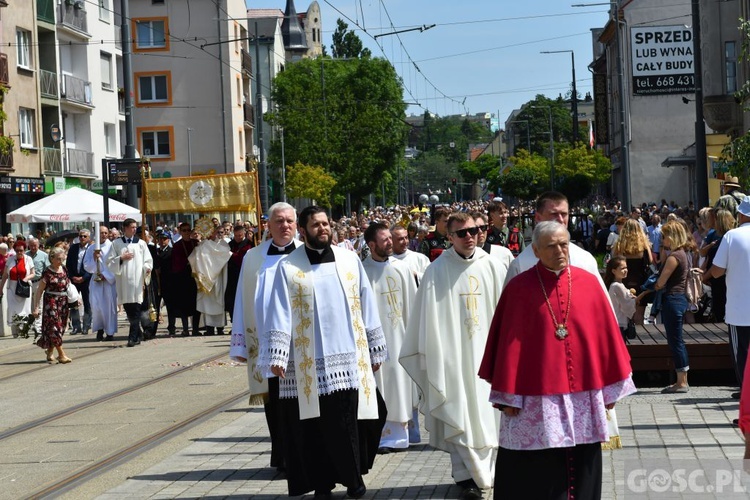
[{"x": 352, "y": 328}]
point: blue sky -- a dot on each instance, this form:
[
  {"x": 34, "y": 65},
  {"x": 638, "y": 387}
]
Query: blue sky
[{"x": 499, "y": 41}]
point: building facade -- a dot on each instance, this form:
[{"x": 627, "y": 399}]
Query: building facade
[
  {"x": 659, "y": 125},
  {"x": 191, "y": 74}
]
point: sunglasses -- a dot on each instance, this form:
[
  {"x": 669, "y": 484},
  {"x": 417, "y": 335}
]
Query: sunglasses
[
  {"x": 482, "y": 228},
  {"x": 83, "y": 235},
  {"x": 461, "y": 233}
]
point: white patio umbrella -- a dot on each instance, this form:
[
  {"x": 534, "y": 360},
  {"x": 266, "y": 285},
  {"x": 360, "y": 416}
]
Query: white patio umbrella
[{"x": 72, "y": 205}]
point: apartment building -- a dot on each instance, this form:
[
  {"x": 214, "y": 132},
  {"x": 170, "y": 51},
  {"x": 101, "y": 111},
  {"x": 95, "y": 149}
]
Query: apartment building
[
  {"x": 191, "y": 69},
  {"x": 61, "y": 106}
]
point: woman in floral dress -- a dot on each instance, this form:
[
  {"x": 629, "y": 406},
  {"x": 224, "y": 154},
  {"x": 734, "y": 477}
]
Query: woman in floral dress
[{"x": 53, "y": 291}]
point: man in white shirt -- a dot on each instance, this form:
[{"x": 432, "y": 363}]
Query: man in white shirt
[
  {"x": 553, "y": 205},
  {"x": 733, "y": 260}
]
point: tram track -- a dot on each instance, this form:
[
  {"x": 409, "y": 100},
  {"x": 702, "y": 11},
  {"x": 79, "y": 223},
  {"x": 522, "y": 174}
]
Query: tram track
[
  {"x": 92, "y": 470},
  {"x": 43, "y": 365},
  {"x": 34, "y": 424}
]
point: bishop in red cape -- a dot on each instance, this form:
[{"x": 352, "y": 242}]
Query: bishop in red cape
[{"x": 556, "y": 361}]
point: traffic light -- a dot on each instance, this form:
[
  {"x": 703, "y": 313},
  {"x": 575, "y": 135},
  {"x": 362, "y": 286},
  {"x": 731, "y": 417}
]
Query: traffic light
[{"x": 453, "y": 181}]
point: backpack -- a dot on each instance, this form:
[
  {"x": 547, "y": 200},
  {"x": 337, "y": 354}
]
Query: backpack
[
  {"x": 694, "y": 288},
  {"x": 514, "y": 244}
]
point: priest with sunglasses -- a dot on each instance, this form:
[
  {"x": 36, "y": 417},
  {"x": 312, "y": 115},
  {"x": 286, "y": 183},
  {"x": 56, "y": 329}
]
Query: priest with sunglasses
[{"x": 443, "y": 348}]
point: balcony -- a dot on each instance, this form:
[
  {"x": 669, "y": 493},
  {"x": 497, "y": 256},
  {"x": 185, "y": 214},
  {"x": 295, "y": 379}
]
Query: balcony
[
  {"x": 45, "y": 11},
  {"x": 76, "y": 91},
  {"x": 51, "y": 161},
  {"x": 71, "y": 15},
  {"x": 249, "y": 114},
  {"x": 247, "y": 63},
  {"x": 121, "y": 103},
  {"x": 48, "y": 84},
  {"x": 80, "y": 163},
  {"x": 4, "y": 79}
]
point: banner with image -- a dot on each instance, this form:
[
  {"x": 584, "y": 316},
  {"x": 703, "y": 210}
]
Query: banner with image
[{"x": 206, "y": 193}]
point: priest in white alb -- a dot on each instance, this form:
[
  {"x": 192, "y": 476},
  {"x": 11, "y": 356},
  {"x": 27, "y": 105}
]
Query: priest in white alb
[
  {"x": 324, "y": 340},
  {"x": 209, "y": 264},
  {"x": 443, "y": 348},
  {"x": 394, "y": 288},
  {"x": 416, "y": 261},
  {"x": 102, "y": 289},
  {"x": 250, "y": 305},
  {"x": 131, "y": 263}
]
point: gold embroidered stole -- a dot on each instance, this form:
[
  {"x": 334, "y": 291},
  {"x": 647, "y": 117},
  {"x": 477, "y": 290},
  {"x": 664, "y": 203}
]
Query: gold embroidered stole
[
  {"x": 302, "y": 295},
  {"x": 253, "y": 261}
]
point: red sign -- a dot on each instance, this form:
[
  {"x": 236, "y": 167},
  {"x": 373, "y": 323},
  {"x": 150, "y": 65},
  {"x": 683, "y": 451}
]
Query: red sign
[{"x": 59, "y": 218}]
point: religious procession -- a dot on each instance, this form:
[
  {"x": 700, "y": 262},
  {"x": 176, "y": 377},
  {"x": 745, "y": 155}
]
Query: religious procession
[{"x": 497, "y": 334}]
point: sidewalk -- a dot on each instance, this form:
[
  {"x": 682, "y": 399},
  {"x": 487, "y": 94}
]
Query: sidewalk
[{"x": 694, "y": 428}]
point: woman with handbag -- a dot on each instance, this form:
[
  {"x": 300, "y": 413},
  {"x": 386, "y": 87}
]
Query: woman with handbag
[
  {"x": 673, "y": 280},
  {"x": 635, "y": 247},
  {"x": 19, "y": 270},
  {"x": 53, "y": 295}
]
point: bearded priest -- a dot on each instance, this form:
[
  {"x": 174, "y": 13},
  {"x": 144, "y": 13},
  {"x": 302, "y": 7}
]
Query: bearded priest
[
  {"x": 442, "y": 350},
  {"x": 556, "y": 361},
  {"x": 324, "y": 341}
]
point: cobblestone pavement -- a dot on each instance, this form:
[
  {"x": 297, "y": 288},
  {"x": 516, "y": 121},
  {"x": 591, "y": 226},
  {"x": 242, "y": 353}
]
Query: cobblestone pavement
[{"x": 692, "y": 431}]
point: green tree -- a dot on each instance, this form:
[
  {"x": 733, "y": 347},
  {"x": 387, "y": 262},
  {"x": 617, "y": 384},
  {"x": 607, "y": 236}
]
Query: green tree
[
  {"x": 484, "y": 167},
  {"x": 581, "y": 161},
  {"x": 537, "y": 113},
  {"x": 431, "y": 171},
  {"x": 309, "y": 181},
  {"x": 346, "y": 43},
  {"x": 346, "y": 116},
  {"x": 534, "y": 163},
  {"x": 519, "y": 182}
]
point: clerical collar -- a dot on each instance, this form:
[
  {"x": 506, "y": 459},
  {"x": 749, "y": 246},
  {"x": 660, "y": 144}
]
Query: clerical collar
[
  {"x": 466, "y": 258},
  {"x": 277, "y": 250},
  {"x": 322, "y": 256}
]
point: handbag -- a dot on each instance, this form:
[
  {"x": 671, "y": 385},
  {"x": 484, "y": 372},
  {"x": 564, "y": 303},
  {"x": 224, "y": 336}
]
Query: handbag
[
  {"x": 630, "y": 330},
  {"x": 23, "y": 289}
]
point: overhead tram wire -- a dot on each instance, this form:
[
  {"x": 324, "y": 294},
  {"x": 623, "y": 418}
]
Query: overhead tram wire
[{"x": 390, "y": 20}]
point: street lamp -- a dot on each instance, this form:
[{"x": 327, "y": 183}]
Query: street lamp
[
  {"x": 551, "y": 148},
  {"x": 574, "y": 98},
  {"x": 624, "y": 153}
]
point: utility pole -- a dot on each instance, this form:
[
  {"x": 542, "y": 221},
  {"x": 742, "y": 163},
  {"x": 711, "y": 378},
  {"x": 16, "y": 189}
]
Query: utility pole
[
  {"x": 262, "y": 167},
  {"x": 574, "y": 96},
  {"x": 127, "y": 81},
  {"x": 701, "y": 166}
]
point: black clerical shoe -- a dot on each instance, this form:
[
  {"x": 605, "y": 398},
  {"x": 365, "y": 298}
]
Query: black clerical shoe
[
  {"x": 471, "y": 494},
  {"x": 100, "y": 335},
  {"x": 736, "y": 395},
  {"x": 322, "y": 495},
  {"x": 357, "y": 492},
  {"x": 109, "y": 338},
  {"x": 736, "y": 422},
  {"x": 383, "y": 450}
]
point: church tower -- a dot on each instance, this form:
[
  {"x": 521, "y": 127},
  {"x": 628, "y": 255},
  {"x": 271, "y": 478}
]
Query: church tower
[{"x": 295, "y": 41}]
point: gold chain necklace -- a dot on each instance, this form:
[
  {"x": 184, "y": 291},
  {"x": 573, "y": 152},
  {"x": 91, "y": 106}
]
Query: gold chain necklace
[{"x": 561, "y": 329}]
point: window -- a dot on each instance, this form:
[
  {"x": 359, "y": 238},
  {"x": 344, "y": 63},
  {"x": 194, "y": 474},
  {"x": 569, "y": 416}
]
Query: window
[
  {"x": 104, "y": 10},
  {"x": 730, "y": 63},
  {"x": 156, "y": 142},
  {"x": 106, "y": 66},
  {"x": 27, "y": 127},
  {"x": 151, "y": 34},
  {"x": 154, "y": 88},
  {"x": 23, "y": 48},
  {"x": 109, "y": 140}
]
